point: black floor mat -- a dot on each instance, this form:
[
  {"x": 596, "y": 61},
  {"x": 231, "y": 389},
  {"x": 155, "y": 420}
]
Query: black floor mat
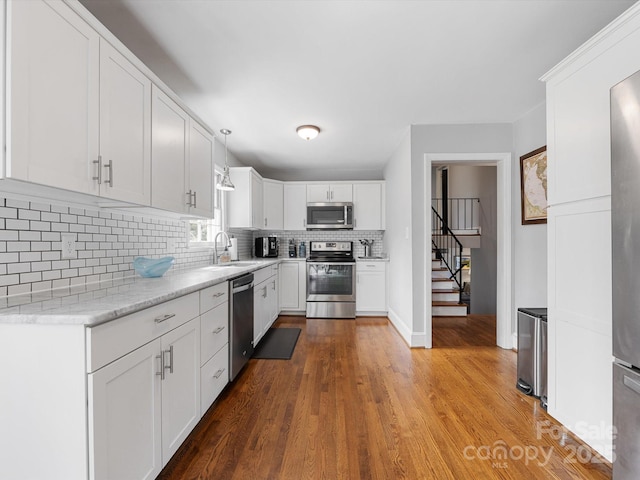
[{"x": 277, "y": 343}]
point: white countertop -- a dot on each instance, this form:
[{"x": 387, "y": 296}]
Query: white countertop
[{"x": 96, "y": 303}]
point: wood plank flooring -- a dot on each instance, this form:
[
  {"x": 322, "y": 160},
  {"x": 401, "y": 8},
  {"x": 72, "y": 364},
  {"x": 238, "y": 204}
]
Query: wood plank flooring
[{"x": 355, "y": 402}]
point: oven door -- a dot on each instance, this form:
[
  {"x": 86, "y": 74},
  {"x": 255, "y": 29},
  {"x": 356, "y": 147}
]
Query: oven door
[{"x": 331, "y": 282}]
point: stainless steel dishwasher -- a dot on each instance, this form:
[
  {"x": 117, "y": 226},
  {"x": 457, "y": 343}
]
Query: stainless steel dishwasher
[{"x": 241, "y": 328}]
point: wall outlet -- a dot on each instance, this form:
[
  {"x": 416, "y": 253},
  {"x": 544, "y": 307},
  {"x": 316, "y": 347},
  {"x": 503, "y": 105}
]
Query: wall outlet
[
  {"x": 171, "y": 245},
  {"x": 69, "y": 246}
]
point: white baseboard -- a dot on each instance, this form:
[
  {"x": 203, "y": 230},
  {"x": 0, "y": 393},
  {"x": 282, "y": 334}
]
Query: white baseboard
[{"x": 413, "y": 340}]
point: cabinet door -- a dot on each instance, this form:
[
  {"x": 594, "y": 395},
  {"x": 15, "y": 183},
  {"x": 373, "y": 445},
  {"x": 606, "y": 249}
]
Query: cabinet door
[
  {"x": 318, "y": 193},
  {"x": 295, "y": 207},
  {"x": 341, "y": 192},
  {"x": 256, "y": 201},
  {"x": 181, "y": 385},
  {"x": 200, "y": 170},
  {"x": 125, "y": 417},
  {"x": 371, "y": 292},
  {"x": 271, "y": 313},
  {"x": 273, "y": 205},
  {"x": 289, "y": 286},
  {"x": 54, "y": 78},
  {"x": 259, "y": 308},
  {"x": 169, "y": 132},
  {"x": 367, "y": 206},
  {"x": 125, "y": 129}
]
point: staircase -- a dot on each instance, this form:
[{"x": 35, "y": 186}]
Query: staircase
[{"x": 445, "y": 296}]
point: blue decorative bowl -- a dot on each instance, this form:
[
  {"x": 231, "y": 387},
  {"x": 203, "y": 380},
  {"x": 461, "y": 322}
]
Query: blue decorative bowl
[{"x": 152, "y": 267}]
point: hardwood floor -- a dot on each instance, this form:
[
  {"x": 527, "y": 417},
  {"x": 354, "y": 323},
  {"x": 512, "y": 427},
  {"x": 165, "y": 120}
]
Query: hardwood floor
[{"x": 355, "y": 402}]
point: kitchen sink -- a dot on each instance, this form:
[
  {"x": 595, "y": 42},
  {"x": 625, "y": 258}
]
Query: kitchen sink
[{"x": 234, "y": 264}]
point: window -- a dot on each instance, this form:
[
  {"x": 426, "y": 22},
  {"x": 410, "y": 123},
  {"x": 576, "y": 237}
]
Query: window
[{"x": 203, "y": 232}]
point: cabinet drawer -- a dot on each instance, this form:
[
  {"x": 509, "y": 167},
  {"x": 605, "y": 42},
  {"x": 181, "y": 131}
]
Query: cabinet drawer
[
  {"x": 214, "y": 376},
  {"x": 370, "y": 266},
  {"x": 112, "y": 340},
  {"x": 214, "y": 331},
  {"x": 213, "y": 296},
  {"x": 261, "y": 275}
]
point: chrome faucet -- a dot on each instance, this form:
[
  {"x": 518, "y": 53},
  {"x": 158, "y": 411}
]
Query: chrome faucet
[{"x": 216, "y": 258}]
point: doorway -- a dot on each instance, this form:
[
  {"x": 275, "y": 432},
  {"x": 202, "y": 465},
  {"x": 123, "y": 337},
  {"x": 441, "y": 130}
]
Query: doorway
[{"x": 502, "y": 162}]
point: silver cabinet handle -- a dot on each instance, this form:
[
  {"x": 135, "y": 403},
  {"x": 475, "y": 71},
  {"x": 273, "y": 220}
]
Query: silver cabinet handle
[
  {"x": 274, "y": 285},
  {"x": 98, "y": 162},
  {"x": 327, "y": 194},
  {"x": 304, "y": 222},
  {"x": 218, "y": 373},
  {"x": 195, "y": 199},
  {"x": 188, "y": 194},
  {"x": 218, "y": 330},
  {"x": 161, "y": 372},
  {"x": 219, "y": 294},
  {"x": 170, "y": 366},
  {"x": 109, "y": 166},
  {"x": 632, "y": 384},
  {"x": 264, "y": 289},
  {"x": 164, "y": 318},
  {"x": 332, "y": 195}
]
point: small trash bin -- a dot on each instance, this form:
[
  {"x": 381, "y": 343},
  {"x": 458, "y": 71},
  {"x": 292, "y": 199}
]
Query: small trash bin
[{"x": 532, "y": 352}]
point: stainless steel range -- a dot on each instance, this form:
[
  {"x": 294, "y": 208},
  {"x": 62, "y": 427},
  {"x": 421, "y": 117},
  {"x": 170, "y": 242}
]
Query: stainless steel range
[{"x": 331, "y": 280}]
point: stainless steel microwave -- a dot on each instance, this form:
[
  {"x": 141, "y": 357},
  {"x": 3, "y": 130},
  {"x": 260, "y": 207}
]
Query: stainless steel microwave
[{"x": 330, "y": 216}]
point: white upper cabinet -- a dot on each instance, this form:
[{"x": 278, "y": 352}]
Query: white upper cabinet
[
  {"x": 368, "y": 206},
  {"x": 295, "y": 206},
  {"x": 54, "y": 96},
  {"x": 273, "y": 204},
  {"x": 337, "y": 192},
  {"x": 200, "y": 178},
  {"x": 169, "y": 137},
  {"x": 125, "y": 129},
  {"x": 245, "y": 202}
]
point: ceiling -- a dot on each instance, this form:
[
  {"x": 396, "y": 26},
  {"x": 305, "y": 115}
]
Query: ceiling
[{"x": 361, "y": 70}]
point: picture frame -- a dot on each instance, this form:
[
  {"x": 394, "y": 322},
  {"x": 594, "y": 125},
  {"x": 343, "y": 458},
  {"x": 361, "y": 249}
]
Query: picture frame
[{"x": 533, "y": 186}]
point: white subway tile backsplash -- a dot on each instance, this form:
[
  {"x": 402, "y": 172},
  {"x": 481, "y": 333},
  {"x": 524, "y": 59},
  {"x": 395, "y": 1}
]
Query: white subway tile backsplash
[
  {"x": 11, "y": 224},
  {"x": 106, "y": 243},
  {"x": 8, "y": 212}
]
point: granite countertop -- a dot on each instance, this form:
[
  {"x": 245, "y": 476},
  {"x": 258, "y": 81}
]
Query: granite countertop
[{"x": 97, "y": 303}]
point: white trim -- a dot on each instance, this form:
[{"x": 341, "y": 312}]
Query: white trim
[
  {"x": 596, "y": 41},
  {"x": 400, "y": 326},
  {"x": 504, "y": 267}
]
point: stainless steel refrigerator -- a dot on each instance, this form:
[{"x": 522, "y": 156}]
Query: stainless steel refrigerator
[{"x": 625, "y": 222}]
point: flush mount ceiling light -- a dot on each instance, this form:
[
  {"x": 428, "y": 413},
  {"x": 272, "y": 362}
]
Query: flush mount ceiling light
[
  {"x": 308, "y": 132},
  {"x": 225, "y": 183}
]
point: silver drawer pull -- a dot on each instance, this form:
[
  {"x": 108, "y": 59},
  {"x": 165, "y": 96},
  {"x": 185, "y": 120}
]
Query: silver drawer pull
[
  {"x": 219, "y": 294},
  {"x": 218, "y": 330},
  {"x": 163, "y": 318},
  {"x": 218, "y": 373},
  {"x": 170, "y": 352}
]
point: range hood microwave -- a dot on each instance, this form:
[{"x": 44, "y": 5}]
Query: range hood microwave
[{"x": 330, "y": 216}]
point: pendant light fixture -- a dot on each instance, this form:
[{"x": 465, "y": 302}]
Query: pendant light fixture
[
  {"x": 308, "y": 132},
  {"x": 225, "y": 184}
]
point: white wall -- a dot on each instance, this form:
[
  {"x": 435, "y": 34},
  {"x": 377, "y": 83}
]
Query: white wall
[
  {"x": 397, "y": 175},
  {"x": 530, "y": 241},
  {"x": 579, "y": 228},
  {"x": 480, "y": 182}
]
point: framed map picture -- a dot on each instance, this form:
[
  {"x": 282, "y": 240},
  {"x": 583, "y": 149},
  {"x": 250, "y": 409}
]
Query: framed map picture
[{"x": 533, "y": 186}]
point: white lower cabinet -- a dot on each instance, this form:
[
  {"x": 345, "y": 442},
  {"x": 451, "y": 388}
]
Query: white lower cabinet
[
  {"x": 125, "y": 417},
  {"x": 180, "y": 385},
  {"x": 214, "y": 343},
  {"x": 371, "y": 288},
  {"x": 143, "y": 405},
  {"x": 265, "y": 301},
  {"x": 293, "y": 286}
]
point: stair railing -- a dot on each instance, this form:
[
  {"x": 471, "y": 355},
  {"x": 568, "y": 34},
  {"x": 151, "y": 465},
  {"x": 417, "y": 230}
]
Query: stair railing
[
  {"x": 448, "y": 248},
  {"x": 460, "y": 213}
]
